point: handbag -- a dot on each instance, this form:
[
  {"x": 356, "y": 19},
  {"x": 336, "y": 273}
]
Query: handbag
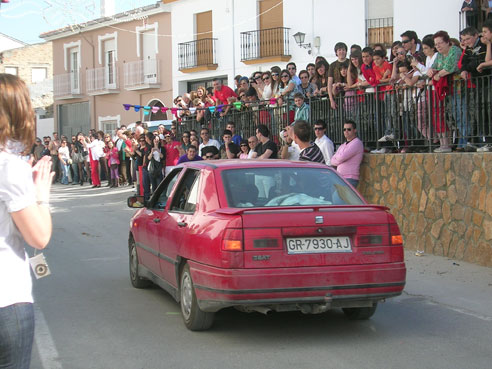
[
  {"x": 78, "y": 157},
  {"x": 154, "y": 168},
  {"x": 150, "y": 167}
]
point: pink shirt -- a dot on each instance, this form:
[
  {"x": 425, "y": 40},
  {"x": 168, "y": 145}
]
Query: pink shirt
[{"x": 348, "y": 157}]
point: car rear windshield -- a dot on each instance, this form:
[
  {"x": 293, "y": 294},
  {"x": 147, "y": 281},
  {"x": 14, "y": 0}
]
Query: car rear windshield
[{"x": 273, "y": 187}]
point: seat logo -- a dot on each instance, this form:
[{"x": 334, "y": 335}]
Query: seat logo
[{"x": 319, "y": 220}]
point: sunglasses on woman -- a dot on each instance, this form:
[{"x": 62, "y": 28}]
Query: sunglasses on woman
[
  {"x": 275, "y": 74},
  {"x": 285, "y": 76}
]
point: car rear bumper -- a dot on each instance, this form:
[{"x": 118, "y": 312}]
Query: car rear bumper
[{"x": 340, "y": 286}]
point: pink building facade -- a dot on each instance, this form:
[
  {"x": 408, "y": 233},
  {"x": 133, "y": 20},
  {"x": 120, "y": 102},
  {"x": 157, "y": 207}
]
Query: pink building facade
[{"x": 105, "y": 63}]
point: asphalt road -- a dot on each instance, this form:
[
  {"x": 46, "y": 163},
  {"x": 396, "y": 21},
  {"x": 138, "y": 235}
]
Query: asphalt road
[{"x": 89, "y": 316}]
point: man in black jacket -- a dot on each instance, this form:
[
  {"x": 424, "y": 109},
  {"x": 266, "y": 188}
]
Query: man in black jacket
[{"x": 477, "y": 85}]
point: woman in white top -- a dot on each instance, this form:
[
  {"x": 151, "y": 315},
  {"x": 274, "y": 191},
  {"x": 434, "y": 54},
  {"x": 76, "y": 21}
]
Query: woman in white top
[
  {"x": 24, "y": 217},
  {"x": 430, "y": 52},
  {"x": 64, "y": 156}
]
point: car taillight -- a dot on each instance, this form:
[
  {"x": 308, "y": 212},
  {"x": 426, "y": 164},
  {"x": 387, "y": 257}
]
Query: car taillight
[
  {"x": 369, "y": 240},
  {"x": 395, "y": 234},
  {"x": 232, "y": 240}
]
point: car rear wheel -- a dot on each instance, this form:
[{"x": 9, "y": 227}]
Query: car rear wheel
[
  {"x": 362, "y": 313},
  {"x": 137, "y": 282},
  {"x": 194, "y": 318}
]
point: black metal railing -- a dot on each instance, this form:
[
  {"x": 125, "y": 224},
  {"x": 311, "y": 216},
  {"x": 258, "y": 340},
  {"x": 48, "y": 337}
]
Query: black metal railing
[
  {"x": 379, "y": 31},
  {"x": 412, "y": 118},
  {"x": 197, "y": 53},
  {"x": 264, "y": 43}
]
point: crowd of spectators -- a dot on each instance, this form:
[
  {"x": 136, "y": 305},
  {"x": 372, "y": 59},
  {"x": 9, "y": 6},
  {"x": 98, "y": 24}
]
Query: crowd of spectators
[
  {"x": 141, "y": 158},
  {"x": 404, "y": 78}
]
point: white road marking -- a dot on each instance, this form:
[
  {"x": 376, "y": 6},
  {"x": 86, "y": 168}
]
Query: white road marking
[{"x": 44, "y": 342}]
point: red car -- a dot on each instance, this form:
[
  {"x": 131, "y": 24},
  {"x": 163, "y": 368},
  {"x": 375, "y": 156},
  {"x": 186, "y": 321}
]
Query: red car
[{"x": 264, "y": 235}]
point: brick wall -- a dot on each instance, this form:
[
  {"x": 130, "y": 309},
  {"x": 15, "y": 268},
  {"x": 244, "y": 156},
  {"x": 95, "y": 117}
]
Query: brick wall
[{"x": 442, "y": 202}]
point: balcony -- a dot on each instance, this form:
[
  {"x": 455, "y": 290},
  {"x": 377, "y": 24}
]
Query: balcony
[
  {"x": 197, "y": 56},
  {"x": 379, "y": 31},
  {"x": 265, "y": 46},
  {"x": 142, "y": 74},
  {"x": 102, "y": 81},
  {"x": 67, "y": 86}
]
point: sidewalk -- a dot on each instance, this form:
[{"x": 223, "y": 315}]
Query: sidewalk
[{"x": 456, "y": 285}]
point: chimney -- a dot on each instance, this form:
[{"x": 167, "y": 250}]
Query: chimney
[{"x": 107, "y": 8}]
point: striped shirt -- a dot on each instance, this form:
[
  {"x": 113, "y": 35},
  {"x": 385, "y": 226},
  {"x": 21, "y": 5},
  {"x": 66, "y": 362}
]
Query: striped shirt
[{"x": 312, "y": 153}]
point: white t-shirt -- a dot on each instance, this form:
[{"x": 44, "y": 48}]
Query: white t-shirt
[
  {"x": 16, "y": 193},
  {"x": 211, "y": 142},
  {"x": 327, "y": 148},
  {"x": 294, "y": 151},
  {"x": 64, "y": 152}
]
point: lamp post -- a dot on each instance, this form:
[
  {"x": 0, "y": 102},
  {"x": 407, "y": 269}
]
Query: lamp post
[{"x": 299, "y": 38}]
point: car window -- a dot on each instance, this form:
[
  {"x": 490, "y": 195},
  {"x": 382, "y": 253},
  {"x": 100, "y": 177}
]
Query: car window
[
  {"x": 271, "y": 187},
  {"x": 159, "y": 200},
  {"x": 186, "y": 196}
]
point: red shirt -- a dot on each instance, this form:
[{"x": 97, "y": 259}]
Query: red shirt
[
  {"x": 224, "y": 93},
  {"x": 172, "y": 153},
  {"x": 379, "y": 71}
]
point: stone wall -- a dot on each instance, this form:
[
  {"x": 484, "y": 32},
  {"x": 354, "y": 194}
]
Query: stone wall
[{"x": 442, "y": 202}]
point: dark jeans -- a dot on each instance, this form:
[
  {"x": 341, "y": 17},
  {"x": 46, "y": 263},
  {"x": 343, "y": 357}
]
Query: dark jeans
[
  {"x": 16, "y": 335},
  {"x": 56, "y": 167},
  {"x": 155, "y": 180},
  {"x": 353, "y": 182},
  {"x": 146, "y": 183}
]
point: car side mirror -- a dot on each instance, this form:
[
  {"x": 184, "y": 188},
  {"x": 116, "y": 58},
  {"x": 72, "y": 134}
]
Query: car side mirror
[{"x": 135, "y": 202}]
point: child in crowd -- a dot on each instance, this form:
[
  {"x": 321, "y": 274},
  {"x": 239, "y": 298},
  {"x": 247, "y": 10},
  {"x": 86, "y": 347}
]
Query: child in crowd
[
  {"x": 302, "y": 110},
  {"x": 113, "y": 161}
]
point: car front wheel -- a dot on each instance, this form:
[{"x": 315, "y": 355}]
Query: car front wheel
[
  {"x": 362, "y": 313},
  {"x": 137, "y": 282},
  {"x": 194, "y": 318}
]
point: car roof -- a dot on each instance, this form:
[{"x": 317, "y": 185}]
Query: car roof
[{"x": 242, "y": 163}]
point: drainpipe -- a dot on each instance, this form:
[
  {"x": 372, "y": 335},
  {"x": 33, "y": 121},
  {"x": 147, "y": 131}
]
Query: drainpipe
[
  {"x": 312, "y": 23},
  {"x": 233, "y": 42},
  {"x": 94, "y": 115}
]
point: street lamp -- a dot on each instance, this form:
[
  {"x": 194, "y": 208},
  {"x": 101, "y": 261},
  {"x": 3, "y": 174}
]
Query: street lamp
[{"x": 299, "y": 37}]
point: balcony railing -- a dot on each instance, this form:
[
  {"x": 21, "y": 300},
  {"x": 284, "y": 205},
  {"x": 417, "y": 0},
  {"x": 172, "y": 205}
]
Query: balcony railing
[
  {"x": 198, "y": 53},
  {"x": 102, "y": 80},
  {"x": 67, "y": 86},
  {"x": 264, "y": 43},
  {"x": 379, "y": 31},
  {"x": 142, "y": 74}
]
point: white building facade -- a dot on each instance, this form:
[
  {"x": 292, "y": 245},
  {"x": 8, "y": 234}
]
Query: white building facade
[{"x": 225, "y": 38}]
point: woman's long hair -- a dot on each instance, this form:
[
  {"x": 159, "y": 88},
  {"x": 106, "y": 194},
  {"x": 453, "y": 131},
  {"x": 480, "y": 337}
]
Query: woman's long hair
[
  {"x": 17, "y": 120},
  {"x": 318, "y": 78},
  {"x": 282, "y": 84},
  {"x": 354, "y": 71}
]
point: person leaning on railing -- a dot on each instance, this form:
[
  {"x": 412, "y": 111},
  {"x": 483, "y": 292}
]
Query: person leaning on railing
[
  {"x": 487, "y": 41},
  {"x": 445, "y": 65},
  {"x": 320, "y": 78}
]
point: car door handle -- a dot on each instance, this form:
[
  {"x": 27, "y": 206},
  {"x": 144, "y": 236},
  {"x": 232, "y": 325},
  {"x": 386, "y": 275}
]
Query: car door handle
[
  {"x": 156, "y": 220},
  {"x": 182, "y": 224}
]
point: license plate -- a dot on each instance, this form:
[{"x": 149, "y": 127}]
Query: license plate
[{"x": 316, "y": 245}]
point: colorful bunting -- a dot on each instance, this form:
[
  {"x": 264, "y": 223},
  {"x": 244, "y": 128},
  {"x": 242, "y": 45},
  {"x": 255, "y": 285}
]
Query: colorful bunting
[{"x": 155, "y": 109}]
